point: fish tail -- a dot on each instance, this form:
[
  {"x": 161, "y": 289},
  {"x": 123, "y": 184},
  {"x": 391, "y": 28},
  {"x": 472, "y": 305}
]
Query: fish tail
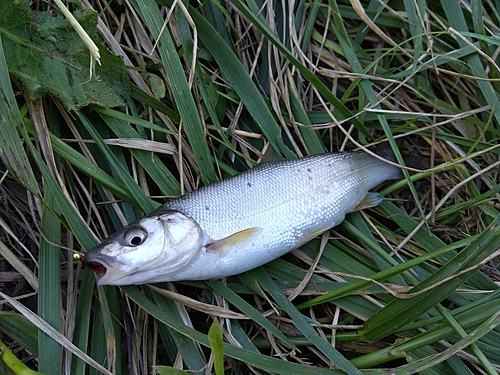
[{"x": 385, "y": 151}]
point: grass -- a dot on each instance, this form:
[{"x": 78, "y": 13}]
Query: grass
[{"x": 200, "y": 92}]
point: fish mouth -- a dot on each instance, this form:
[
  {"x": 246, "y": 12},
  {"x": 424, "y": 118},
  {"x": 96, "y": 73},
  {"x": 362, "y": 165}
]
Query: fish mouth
[{"x": 99, "y": 268}]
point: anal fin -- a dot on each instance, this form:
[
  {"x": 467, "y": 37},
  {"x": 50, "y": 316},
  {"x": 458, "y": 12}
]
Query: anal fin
[
  {"x": 371, "y": 199},
  {"x": 224, "y": 245}
]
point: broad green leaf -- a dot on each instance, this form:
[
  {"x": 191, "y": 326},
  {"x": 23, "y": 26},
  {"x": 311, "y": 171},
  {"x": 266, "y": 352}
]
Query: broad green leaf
[{"x": 59, "y": 60}]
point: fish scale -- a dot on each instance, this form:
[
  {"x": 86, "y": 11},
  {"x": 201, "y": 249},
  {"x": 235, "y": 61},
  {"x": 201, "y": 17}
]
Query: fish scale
[
  {"x": 256, "y": 216},
  {"x": 288, "y": 200}
]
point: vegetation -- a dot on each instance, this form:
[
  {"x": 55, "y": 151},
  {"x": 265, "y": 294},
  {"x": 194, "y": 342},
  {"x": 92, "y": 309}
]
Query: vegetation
[{"x": 182, "y": 94}]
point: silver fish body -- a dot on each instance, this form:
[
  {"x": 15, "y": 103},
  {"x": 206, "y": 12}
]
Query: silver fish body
[{"x": 242, "y": 222}]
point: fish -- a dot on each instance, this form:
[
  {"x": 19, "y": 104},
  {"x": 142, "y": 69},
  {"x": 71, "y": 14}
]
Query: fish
[{"x": 241, "y": 222}]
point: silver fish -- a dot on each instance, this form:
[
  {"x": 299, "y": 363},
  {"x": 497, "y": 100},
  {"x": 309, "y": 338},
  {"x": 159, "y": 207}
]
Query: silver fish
[{"x": 242, "y": 222}]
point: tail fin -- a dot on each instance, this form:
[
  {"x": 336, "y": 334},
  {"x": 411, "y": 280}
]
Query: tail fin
[{"x": 385, "y": 151}]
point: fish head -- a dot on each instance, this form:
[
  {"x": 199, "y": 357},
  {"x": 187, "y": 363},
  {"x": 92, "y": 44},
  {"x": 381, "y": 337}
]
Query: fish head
[{"x": 149, "y": 250}]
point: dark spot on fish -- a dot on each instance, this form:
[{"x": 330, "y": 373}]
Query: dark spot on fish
[
  {"x": 207, "y": 208},
  {"x": 309, "y": 170},
  {"x": 249, "y": 184}
]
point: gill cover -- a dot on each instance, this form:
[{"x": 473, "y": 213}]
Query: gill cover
[{"x": 142, "y": 251}]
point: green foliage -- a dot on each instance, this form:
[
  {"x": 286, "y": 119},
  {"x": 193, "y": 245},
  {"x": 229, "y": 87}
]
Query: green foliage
[{"x": 47, "y": 55}]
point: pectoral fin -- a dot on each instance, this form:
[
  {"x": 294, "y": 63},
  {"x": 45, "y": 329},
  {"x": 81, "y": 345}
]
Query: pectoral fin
[
  {"x": 370, "y": 200},
  {"x": 226, "y": 244}
]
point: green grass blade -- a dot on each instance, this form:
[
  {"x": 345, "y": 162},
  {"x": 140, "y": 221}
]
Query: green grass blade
[
  {"x": 84, "y": 165},
  {"x": 457, "y": 21},
  {"x": 123, "y": 175},
  {"x": 303, "y": 324},
  {"x": 167, "y": 370},
  {"x": 125, "y": 118},
  {"x": 340, "y": 107},
  {"x": 180, "y": 89},
  {"x": 49, "y": 293},
  {"x": 149, "y": 101},
  {"x": 18, "y": 265},
  {"x": 486, "y": 327},
  {"x": 233, "y": 71},
  {"x": 311, "y": 138},
  {"x": 83, "y": 316},
  {"x": 14, "y": 364},
  {"x": 47, "y": 328},
  {"x": 353, "y": 59},
  {"x": 149, "y": 161},
  {"x": 247, "y": 309},
  {"x": 68, "y": 210},
  {"x": 401, "y": 312},
  {"x": 462, "y": 333},
  {"x": 11, "y": 149},
  {"x": 467, "y": 319},
  {"x": 20, "y": 329},
  {"x": 109, "y": 329},
  {"x": 217, "y": 346},
  {"x": 263, "y": 362},
  {"x": 189, "y": 349}
]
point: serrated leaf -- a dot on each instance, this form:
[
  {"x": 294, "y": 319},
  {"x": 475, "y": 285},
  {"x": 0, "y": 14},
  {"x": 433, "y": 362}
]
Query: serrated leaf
[{"x": 47, "y": 55}]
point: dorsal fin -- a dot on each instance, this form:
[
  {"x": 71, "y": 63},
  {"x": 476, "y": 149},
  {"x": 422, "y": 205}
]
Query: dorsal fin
[{"x": 270, "y": 156}]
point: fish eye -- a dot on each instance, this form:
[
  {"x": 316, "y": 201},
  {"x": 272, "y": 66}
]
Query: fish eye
[{"x": 135, "y": 236}]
